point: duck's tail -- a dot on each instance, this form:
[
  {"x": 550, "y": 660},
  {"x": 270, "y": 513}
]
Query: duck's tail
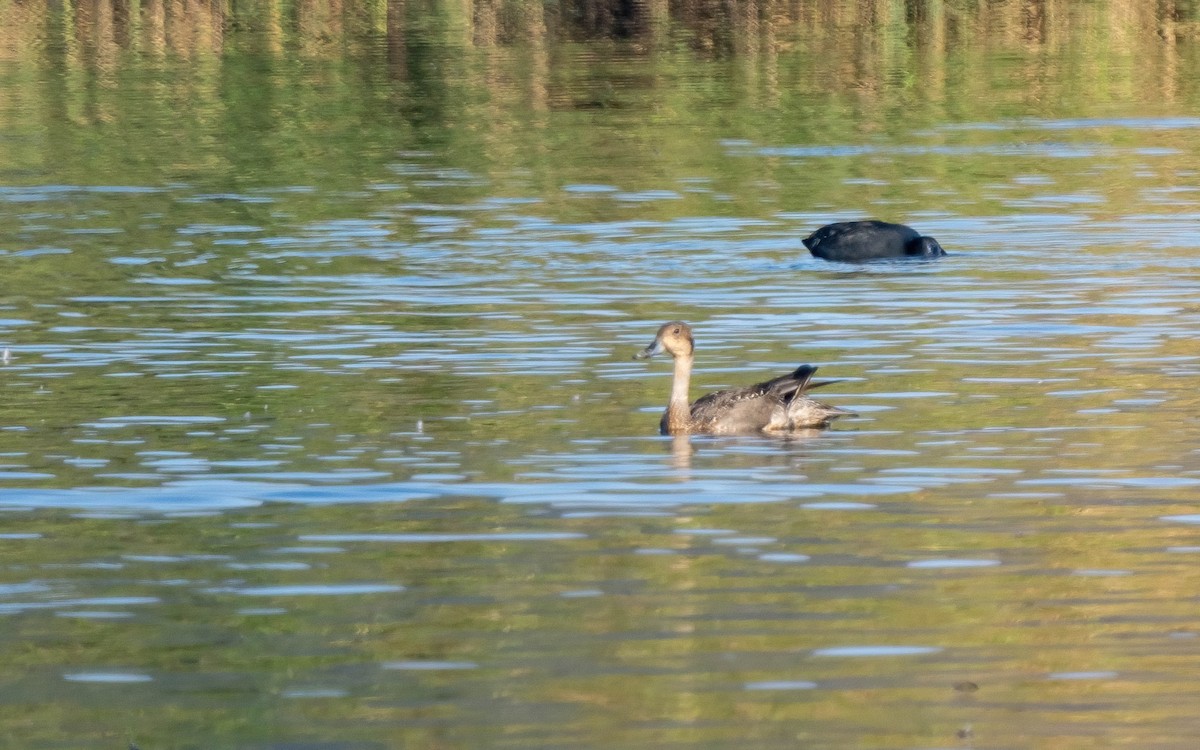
[
  {"x": 803, "y": 411},
  {"x": 788, "y": 386},
  {"x": 797, "y": 382}
]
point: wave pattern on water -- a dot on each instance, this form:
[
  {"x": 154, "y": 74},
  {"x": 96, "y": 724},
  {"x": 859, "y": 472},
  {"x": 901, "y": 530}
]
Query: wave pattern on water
[{"x": 403, "y": 415}]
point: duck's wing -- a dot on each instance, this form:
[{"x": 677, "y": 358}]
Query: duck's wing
[
  {"x": 753, "y": 407},
  {"x": 781, "y": 387}
]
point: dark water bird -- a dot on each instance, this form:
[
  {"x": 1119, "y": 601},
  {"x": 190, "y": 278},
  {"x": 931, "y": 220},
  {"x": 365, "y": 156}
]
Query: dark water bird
[
  {"x": 864, "y": 241},
  {"x": 778, "y": 405}
]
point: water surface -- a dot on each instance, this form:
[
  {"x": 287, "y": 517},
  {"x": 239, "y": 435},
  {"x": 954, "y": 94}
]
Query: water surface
[{"x": 321, "y": 426}]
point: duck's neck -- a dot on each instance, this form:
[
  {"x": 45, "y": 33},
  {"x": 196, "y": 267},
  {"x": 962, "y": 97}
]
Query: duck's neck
[{"x": 679, "y": 412}]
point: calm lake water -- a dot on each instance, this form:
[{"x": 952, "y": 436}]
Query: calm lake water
[{"x": 321, "y": 428}]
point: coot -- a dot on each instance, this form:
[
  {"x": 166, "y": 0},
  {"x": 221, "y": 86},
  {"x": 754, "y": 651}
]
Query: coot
[{"x": 863, "y": 241}]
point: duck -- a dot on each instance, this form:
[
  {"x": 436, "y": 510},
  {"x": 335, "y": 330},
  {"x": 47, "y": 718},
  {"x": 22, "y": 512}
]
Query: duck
[
  {"x": 864, "y": 241},
  {"x": 778, "y": 405}
]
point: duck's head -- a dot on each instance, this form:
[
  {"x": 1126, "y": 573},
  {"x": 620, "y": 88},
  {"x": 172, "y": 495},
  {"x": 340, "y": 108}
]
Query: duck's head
[{"x": 674, "y": 338}]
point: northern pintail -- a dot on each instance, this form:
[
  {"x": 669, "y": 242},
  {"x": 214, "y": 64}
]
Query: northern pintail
[{"x": 778, "y": 405}]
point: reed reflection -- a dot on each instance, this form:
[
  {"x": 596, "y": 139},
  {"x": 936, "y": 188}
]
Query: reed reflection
[{"x": 887, "y": 32}]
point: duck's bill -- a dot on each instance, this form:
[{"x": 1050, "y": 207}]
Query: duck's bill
[{"x": 650, "y": 351}]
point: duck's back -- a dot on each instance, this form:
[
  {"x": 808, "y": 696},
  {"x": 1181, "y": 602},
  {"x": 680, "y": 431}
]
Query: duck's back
[
  {"x": 762, "y": 406},
  {"x": 738, "y": 410}
]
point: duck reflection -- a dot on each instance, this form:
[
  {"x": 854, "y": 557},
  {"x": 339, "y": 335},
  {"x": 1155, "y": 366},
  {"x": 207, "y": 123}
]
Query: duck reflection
[{"x": 682, "y": 448}]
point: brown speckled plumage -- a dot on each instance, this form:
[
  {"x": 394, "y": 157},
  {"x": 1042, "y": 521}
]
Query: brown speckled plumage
[{"x": 778, "y": 405}]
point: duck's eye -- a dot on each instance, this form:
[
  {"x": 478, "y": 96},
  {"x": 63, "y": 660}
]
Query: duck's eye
[{"x": 674, "y": 330}]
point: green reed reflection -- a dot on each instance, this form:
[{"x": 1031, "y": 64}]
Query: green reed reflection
[{"x": 226, "y": 96}]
